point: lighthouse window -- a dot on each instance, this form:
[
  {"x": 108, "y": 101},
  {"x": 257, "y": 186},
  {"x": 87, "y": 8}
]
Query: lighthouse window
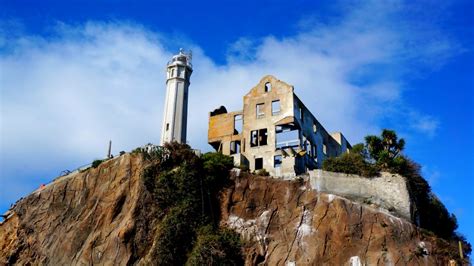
[
  {"x": 180, "y": 72},
  {"x": 172, "y": 72},
  {"x": 167, "y": 126}
]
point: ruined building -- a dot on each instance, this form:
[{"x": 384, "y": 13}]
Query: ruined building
[
  {"x": 274, "y": 131},
  {"x": 175, "y": 115}
]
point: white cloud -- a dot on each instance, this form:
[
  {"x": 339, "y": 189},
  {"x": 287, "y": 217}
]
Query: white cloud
[{"x": 64, "y": 96}]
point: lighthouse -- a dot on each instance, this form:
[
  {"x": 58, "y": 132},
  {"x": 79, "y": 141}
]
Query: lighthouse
[{"x": 175, "y": 115}]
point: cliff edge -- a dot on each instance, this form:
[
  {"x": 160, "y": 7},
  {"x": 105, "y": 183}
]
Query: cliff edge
[{"x": 106, "y": 215}]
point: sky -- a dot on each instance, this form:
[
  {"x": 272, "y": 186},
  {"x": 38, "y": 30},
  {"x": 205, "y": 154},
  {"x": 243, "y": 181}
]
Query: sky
[{"x": 76, "y": 74}]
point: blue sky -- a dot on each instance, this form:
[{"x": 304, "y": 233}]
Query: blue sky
[{"x": 74, "y": 74}]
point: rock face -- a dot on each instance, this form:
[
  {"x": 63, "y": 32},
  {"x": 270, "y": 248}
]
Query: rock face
[
  {"x": 105, "y": 215},
  {"x": 101, "y": 215},
  {"x": 289, "y": 223}
]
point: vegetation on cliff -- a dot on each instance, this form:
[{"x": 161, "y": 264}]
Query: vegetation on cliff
[
  {"x": 185, "y": 188},
  {"x": 383, "y": 153}
]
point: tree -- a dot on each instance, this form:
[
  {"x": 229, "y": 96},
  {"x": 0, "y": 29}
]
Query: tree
[{"x": 384, "y": 149}]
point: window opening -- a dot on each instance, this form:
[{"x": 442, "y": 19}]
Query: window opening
[
  {"x": 260, "y": 110},
  {"x": 258, "y": 163},
  {"x": 268, "y": 87},
  {"x": 172, "y": 72},
  {"x": 235, "y": 147},
  {"x": 308, "y": 147},
  {"x": 258, "y": 137},
  {"x": 253, "y": 138},
  {"x": 167, "y": 126},
  {"x": 287, "y": 136},
  {"x": 277, "y": 160},
  {"x": 325, "y": 151},
  {"x": 263, "y": 135},
  {"x": 276, "y": 107},
  {"x": 315, "y": 128},
  {"x": 238, "y": 123},
  {"x": 180, "y": 72}
]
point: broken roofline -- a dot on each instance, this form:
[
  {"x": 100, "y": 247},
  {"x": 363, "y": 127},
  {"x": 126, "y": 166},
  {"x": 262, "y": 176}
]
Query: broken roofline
[{"x": 292, "y": 120}]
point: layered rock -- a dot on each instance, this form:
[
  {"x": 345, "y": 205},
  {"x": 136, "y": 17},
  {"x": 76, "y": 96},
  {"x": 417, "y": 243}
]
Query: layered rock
[
  {"x": 290, "y": 223},
  {"x": 100, "y": 215}
]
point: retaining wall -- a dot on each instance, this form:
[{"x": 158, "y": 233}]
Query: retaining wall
[{"x": 388, "y": 191}]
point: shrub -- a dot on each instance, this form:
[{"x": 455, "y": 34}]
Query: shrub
[
  {"x": 262, "y": 172},
  {"x": 176, "y": 235},
  {"x": 350, "y": 163},
  {"x": 244, "y": 168},
  {"x": 216, "y": 247},
  {"x": 96, "y": 163},
  {"x": 185, "y": 188}
]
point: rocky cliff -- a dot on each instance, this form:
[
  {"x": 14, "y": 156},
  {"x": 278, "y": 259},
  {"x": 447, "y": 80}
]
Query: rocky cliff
[{"x": 105, "y": 215}]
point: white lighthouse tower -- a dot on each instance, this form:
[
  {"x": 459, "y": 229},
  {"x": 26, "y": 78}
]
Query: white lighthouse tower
[{"x": 175, "y": 115}]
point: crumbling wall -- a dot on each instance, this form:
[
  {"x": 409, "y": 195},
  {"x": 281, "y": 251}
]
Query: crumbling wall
[{"x": 388, "y": 191}]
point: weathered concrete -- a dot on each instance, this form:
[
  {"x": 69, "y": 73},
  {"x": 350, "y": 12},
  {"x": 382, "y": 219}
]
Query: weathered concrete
[
  {"x": 309, "y": 144},
  {"x": 388, "y": 191}
]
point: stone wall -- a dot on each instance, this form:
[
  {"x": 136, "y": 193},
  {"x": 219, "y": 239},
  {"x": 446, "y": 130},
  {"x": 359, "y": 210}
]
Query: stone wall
[{"x": 388, "y": 191}]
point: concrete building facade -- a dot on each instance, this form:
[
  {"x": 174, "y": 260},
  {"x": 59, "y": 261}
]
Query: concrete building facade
[
  {"x": 275, "y": 131},
  {"x": 175, "y": 115}
]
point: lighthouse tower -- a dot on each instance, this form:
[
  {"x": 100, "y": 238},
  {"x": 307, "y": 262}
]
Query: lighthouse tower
[{"x": 175, "y": 115}]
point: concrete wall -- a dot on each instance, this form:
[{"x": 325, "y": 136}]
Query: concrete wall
[
  {"x": 388, "y": 191},
  {"x": 257, "y": 95},
  {"x": 295, "y": 160}
]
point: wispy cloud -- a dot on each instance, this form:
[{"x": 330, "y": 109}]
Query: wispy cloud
[{"x": 64, "y": 96}]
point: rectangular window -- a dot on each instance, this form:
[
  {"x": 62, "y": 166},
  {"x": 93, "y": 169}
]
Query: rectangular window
[
  {"x": 308, "y": 147},
  {"x": 254, "y": 138},
  {"x": 276, "y": 107},
  {"x": 325, "y": 150},
  {"x": 287, "y": 136},
  {"x": 260, "y": 110},
  {"x": 315, "y": 128},
  {"x": 277, "y": 161},
  {"x": 258, "y": 163},
  {"x": 181, "y": 72},
  {"x": 167, "y": 126},
  {"x": 238, "y": 124},
  {"x": 258, "y": 137},
  {"x": 235, "y": 147},
  {"x": 263, "y": 136}
]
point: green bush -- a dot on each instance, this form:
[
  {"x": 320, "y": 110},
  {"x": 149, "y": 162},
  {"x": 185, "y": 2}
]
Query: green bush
[
  {"x": 350, "y": 163},
  {"x": 175, "y": 236},
  {"x": 216, "y": 247},
  {"x": 96, "y": 163},
  {"x": 262, "y": 172},
  {"x": 185, "y": 188}
]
